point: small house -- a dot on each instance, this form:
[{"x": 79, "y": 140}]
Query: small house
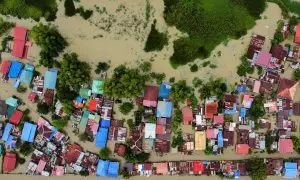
[
  {"x": 187, "y": 114},
  {"x": 274, "y": 166},
  {"x": 20, "y": 43},
  {"x": 161, "y": 168},
  {"x": 136, "y": 140},
  {"x": 271, "y": 106},
  {"x": 247, "y": 100},
  {"x": 150, "y": 96},
  {"x": 97, "y": 86},
  {"x": 15, "y": 69},
  {"x": 287, "y": 88},
  {"x": 3, "y": 109},
  {"x": 27, "y": 74},
  {"x": 164, "y": 90},
  {"x": 198, "y": 167},
  {"x": 218, "y": 120},
  {"x": 120, "y": 149},
  {"x": 32, "y": 97},
  {"x": 144, "y": 169},
  {"x": 278, "y": 52},
  {"x": 28, "y": 132},
  {"x": 242, "y": 149},
  {"x": 50, "y": 79},
  {"x": 72, "y": 153},
  {"x": 211, "y": 109},
  {"x": 5, "y": 66},
  {"x": 9, "y": 162},
  {"x": 162, "y": 146},
  {"x": 164, "y": 109},
  {"x": 200, "y": 140},
  {"x": 16, "y": 117},
  {"x": 264, "y": 59},
  {"x": 49, "y": 96},
  {"x": 255, "y": 46},
  {"x": 101, "y": 137},
  {"x": 150, "y": 131},
  {"x": 285, "y": 146},
  {"x": 290, "y": 170}
]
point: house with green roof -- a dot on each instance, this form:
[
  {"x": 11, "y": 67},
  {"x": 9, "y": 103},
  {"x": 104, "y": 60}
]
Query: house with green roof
[
  {"x": 11, "y": 101},
  {"x": 85, "y": 93},
  {"x": 97, "y": 86}
]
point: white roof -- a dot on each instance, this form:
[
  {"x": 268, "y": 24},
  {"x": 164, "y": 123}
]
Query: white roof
[{"x": 150, "y": 129}]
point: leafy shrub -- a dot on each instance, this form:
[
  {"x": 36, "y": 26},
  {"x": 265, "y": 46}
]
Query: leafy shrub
[
  {"x": 26, "y": 148},
  {"x": 21, "y": 160},
  {"x": 156, "y": 40},
  {"x": 194, "y": 68},
  {"x": 145, "y": 66},
  {"x": 172, "y": 79},
  {"x": 60, "y": 124},
  {"x": 83, "y": 137},
  {"x": 104, "y": 153},
  {"x": 102, "y": 66},
  {"x": 206, "y": 63},
  {"x": 70, "y": 9},
  {"x": 43, "y": 108},
  {"x": 126, "y": 107},
  {"x": 85, "y": 14},
  {"x": 21, "y": 89},
  {"x": 5, "y": 41},
  {"x": 297, "y": 75},
  {"x": 84, "y": 173},
  {"x": 5, "y": 26},
  {"x": 130, "y": 123},
  {"x": 159, "y": 77}
]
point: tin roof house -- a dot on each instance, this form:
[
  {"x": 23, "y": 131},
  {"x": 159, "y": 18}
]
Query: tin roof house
[{"x": 150, "y": 96}]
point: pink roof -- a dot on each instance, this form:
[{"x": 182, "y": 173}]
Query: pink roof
[
  {"x": 219, "y": 119},
  {"x": 19, "y": 49},
  {"x": 210, "y": 133},
  {"x": 20, "y": 33},
  {"x": 9, "y": 162},
  {"x": 149, "y": 103},
  {"x": 41, "y": 166},
  {"x": 256, "y": 86},
  {"x": 59, "y": 171},
  {"x": 187, "y": 114},
  {"x": 242, "y": 149},
  {"x": 32, "y": 96},
  {"x": 41, "y": 121},
  {"x": 162, "y": 168},
  {"x": 297, "y": 34},
  {"x": 247, "y": 101},
  {"x": 285, "y": 146},
  {"x": 264, "y": 59},
  {"x": 16, "y": 117},
  {"x": 5, "y": 66}
]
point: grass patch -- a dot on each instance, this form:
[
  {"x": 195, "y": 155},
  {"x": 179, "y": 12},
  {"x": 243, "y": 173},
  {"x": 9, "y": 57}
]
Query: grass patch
[
  {"x": 156, "y": 40},
  {"x": 208, "y": 23},
  {"x": 29, "y": 9}
]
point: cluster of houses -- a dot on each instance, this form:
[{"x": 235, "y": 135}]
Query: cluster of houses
[{"x": 229, "y": 169}]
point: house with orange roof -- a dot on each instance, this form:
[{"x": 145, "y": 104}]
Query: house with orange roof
[
  {"x": 242, "y": 149},
  {"x": 211, "y": 109},
  {"x": 287, "y": 88}
]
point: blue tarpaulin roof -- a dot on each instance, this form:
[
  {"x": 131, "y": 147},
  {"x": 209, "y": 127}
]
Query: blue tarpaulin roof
[
  {"x": 105, "y": 123},
  {"x": 15, "y": 69},
  {"x": 79, "y": 99},
  {"x": 28, "y": 132},
  {"x": 50, "y": 79},
  {"x": 101, "y": 137},
  {"x": 7, "y": 131},
  {"x": 113, "y": 169},
  {"x": 164, "y": 109},
  {"x": 231, "y": 111},
  {"x": 237, "y": 174},
  {"x": 290, "y": 170},
  {"x": 220, "y": 139},
  {"x": 164, "y": 90},
  {"x": 243, "y": 112},
  {"x": 102, "y": 168},
  {"x": 241, "y": 88}
]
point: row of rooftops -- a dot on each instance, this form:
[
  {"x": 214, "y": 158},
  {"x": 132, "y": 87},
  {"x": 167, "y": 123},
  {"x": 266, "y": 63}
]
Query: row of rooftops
[{"x": 228, "y": 169}]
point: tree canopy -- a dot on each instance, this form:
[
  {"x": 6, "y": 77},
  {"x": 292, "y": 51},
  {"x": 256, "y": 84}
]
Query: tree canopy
[
  {"x": 297, "y": 75},
  {"x": 126, "y": 107},
  {"x": 125, "y": 83},
  {"x": 257, "y": 108},
  {"x": 74, "y": 72},
  {"x": 257, "y": 169},
  {"x": 156, "y": 40},
  {"x": 50, "y": 40},
  {"x": 215, "y": 87},
  {"x": 43, "y": 108},
  {"x": 104, "y": 153},
  {"x": 180, "y": 91}
]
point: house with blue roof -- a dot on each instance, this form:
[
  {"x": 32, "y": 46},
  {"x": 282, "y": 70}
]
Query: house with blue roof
[
  {"x": 243, "y": 112},
  {"x": 107, "y": 169},
  {"x": 11, "y": 101},
  {"x": 101, "y": 137},
  {"x": 220, "y": 139},
  {"x": 50, "y": 79},
  {"x": 27, "y": 74},
  {"x": 113, "y": 169},
  {"x": 7, "y": 130},
  {"x": 105, "y": 123},
  {"x": 290, "y": 170},
  {"x": 164, "y": 90},
  {"x": 15, "y": 69},
  {"x": 28, "y": 132},
  {"x": 164, "y": 109}
]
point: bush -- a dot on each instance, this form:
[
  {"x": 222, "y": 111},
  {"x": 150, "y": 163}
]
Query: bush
[
  {"x": 245, "y": 68},
  {"x": 197, "y": 82},
  {"x": 70, "y": 9},
  {"x": 104, "y": 153},
  {"x": 21, "y": 160},
  {"x": 259, "y": 70},
  {"x": 60, "y": 124},
  {"x": 83, "y": 137},
  {"x": 194, "y": 68},
  {"x": 21, "y": 89},
  {"x": 156, "y": 40},
  {"x": 257, "y": 109},
  {"x": 4, "y": 43},
  {"x": 257, "y": 169},
  {"x": 172, "y": 80},
  {"x": 85, "y": 14},
  {"x": 126, "y": 107},
  {"x": 296, "y": 142},
  {"x": 159, "y": 77},
  {"x": 130, "y": 123},
  {"x": 26, "y": 148},
  {"x": 205, "y": 63},
  {"x": 84, "y": 173},
  {"x": 145, "y": 66},
  {"x": 180, "y": 91},
  {"x": 297, "y": 75},
  {"x": 101, "y": 66},
  {"x": 43, "y": 108}
]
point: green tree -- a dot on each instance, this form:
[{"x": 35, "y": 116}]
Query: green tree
[
  {"x": 297, "y": 75},
  {"x": 65, "y": 93},
  {"x": 5, "y": 26},
  {"x": 70, "y": 9},
  {"x": 131, "y": 157},
  {"x": 43, "y": 108},
  {"x": 83, "y": 137},
  {"x": 172, "y": 80},
  {"x": 130, "y": 123},
  {"x": 68, "y": 107},
  {"x": 257, "y": 169},
  {"x": 21, "y": 160},
  {"x": 26, "y": 148},
  {"x": 126, "y": 108},
  {"x": 102, "y": 67},
  {"x": 156, "y": 40},
  {"x": 84, "y": 173},
  {"x": 74, "y": 72},
  {"x": 104, "y": 153},
  {"x": 85, "y": 14},
  {"x": 257, "y": 109},
  {"x": 194, "y": 68},
  {"x": 59, "y": 124},
  {"x": 159, "y": 77},
  {"x": 213, "y": 87},
  {"x": 21, "y": 89},
  {"x": 125, "y": 174},
  {"x": 180, "y": 91},
  {"x": 177, "y": 140},
  {"x": 125, "y": 83},
  {"x": 50, "y": 40},
  {"x": 208, "y": 150},
  {"x": 145, "y": 66},
  {"x": 296, "y": 142}
]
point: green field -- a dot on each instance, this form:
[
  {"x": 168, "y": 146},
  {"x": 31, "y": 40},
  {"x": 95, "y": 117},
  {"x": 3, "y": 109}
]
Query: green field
[
  {"x": 34, "y": 9},
  {"x": 208, "y": 23}
]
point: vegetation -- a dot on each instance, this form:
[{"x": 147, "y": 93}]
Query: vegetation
[
  {"x": 257, "y": 169},
  {"x": 215, "y": 87},
  {"x": 259, "y": 70},
  {"x": 138, "y": 115},
  {"x": 257, "y": 109},
  {"x": 208, "y": 23},
  {"x": 293, "y": 21},
  {"x": 21, "y": 89},
  {"x": 208, "y": 150},
  {"x": 60, "y": 124},
  {"x": 84, "y": 173},
  {"x": 5, "y": 26},
  {"x": 85, "y": 14},
  {"x": 83, "y": 137},
  {"x": 291, "y": 5},
  {"x": 172, "y": 80},
  {"x": 159, "y": 77},
  {"x": 180, "y": 91},
  {"x": 130, "y": 123},
  {"x": 197, "y": 82},
  {"x": 269, "y": 142},
  {"x": 125, "y": 174},
  {"x": 177, "y": 140},
  {"x": 21, "y": 160},
  {"x": 131, "y": 157},
  {"x": 43, "y": 108},
  {"x": 74, "y": 72},
  {"x": 26, "y": 112},
  {"x": 4, "y": 43},
  {"x": 26, "y": 148},
  {"x": 126, "y": 108},
  {"x": 68, "y": 107},
  {"x": 104, "y": 153},
  {"x": 64, "y": 93},
  {"x": 244, "y": 68},
  {"x": 51, "y": 42},
  {"x": 125, "y": 83},
  {"x": 156, "y": 40},
  {"x": 296, "y": 142},
  {"x": 102, "y": 67},
  {"x": 194, "y": 68},
  {"x": 205, "y": 63},
  {"x": 29, "y": 9},
  {"x": 278, "y": 36},
  {"x": 145, "y": 66},
  {"x": 297, "y": 75},
  {"x": 177, "y": 120},
  {"x": 70, "y": 9}
]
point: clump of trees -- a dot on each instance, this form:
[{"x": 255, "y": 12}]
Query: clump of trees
[
  {"x": 257, "y": 109},
  {"x": 296, "y": 142},
  {"x": 145, "y": 66},
  {"x": 85, "y": 14},
  {"x": 194, "y": 68},
  {"x": 278, "y": 36},
  {"x": 43, "y": 108},
  {"x": 159, "y": 77},
  {"x": 83, "y": 137},
  {"x": 50, "y": 40},
  {"x": 74, "y": 72},
  {"x": 59, "y": 124},
  {"x": 125, "y": 83},
  {"x": 156, "y": 40},
  {"x": 126, "y": 108},
  {"x": 244, "y": 68},
  {"x": 21, "y": 89},
  {"x": 215, "y": 87},
  {"x": 180, "y": 91},
  {"x": 269, "y": 142},
  {"x": 257, "y": 169},
  {"x": 26, "y": 148},
  {"x": 104, "y": 153},
  {"x": 101, "y": 67},
  {"x": 132, "y": 157},
  {"x": 177, "y": 140},
  {"x": 5, "y": 26},
  {"x": 4, "y": 42},
  {"x": 70, "y": 9}
]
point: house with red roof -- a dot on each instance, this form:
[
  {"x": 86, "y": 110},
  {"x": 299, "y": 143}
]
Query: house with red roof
[
  {"x": 9, "y": 162},
  {"x": 20, "y": 43},
  {"x": 287, "y": 88},
  {"x": 198, "y": 167},
  {"x": 150, "y": 96},
  {"x": 218, "y": 119},
  {"x": 32, "y": 97},
  {"x": 242, "y": 149},
  {"x": 16, "y": 117},
  {"x": 120, "y": 149},
  {"x": 72, "y": 153},
  {"x": 161, "y": 168},
  {"x": 285, "y": 146},
  {"x": 211, "y": 109},
  {"x": 187, "y": 114},
  {"x": 297, "y": 34}
]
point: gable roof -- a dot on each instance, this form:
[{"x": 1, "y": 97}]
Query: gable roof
[
  {"x": 278, "y": 52},
  {"x": 5, "y": 66},
  {"x": 164, "y": 90},
  {"x": 287, "y": 88},
  {"x": 97, "y": 86},
  {"x": 211, "y": 109},
  {"x": 28, "y": 132},
  {"x": 50, "y": 79},
  {"x": 101, "y": 137},
  {"x": 264, "y": 59},
  {"x": 9, "y": 163},
  {"x": 150, "y": 129},
  {"x": 164, "y": 109},
  {"x": 150, "y": 96},
  {"x": 187, "y": 114},
  {"x": 102, "y": 168},
  {"x": 200, "y": 140},
  {"x": 285, "y": 146},
  {"x": 219, "y": 119},
  {"x": 15, "y": 69},
  {"x": 20, "y": 34},
  {"x": 297, "y": 34},
  {"x": 16, "y": 117},
  {"x": 27, "y": 74},
  {"x": 242, "y": 149}
]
